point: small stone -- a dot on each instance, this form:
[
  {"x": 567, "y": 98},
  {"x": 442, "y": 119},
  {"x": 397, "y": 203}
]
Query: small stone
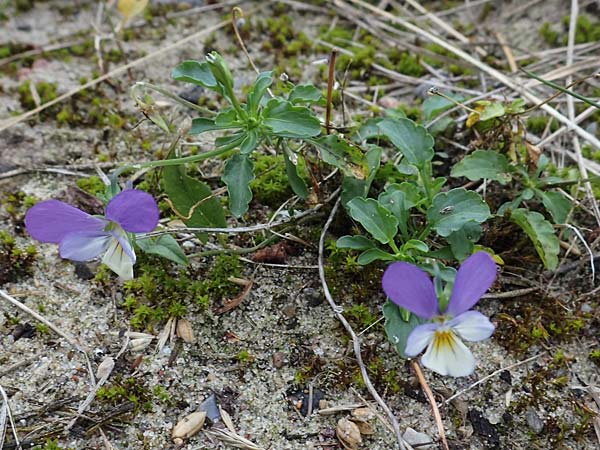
[
  {"x": 533, "y": 421},
  {"x": 211, "y": 377},
  {"x": 289, "y": 311},
  {"x": 83, "y": 271},
  {"x": 278, "y": 360},
  {"x": 313, "y": 297},
  {"x": 416, "y": 438}
]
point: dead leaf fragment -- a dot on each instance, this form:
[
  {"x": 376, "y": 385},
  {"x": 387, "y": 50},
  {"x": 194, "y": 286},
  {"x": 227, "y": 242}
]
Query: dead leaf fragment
[
  {"x": 349, "y": 434},
  {"x": 188, "y": 426},
  {"x": 185, "y": 331}
]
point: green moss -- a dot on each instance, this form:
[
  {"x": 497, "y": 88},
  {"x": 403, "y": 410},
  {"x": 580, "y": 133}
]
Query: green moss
[
  {"x": 271, "y": 187},
  {"x": 594, "y": 356},
  {"x": 160, "y": 291},
  {"x": 92, "y": 185},
  {"x": 46, "y": 92},
  {"x": 549, "y": 35},
  {"x": 128, "y": 390},
  {"x": 50, "y": 444}
]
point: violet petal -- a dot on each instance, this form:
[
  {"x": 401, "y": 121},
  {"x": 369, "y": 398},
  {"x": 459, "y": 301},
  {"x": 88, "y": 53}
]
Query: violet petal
[
  {"x": 83, "y": 246},
  {"x": 472, "y": 326},
  {"x": 419, "y": 338},
  {"x": 408, "y": 286},
  {"x": 52, "y": 220},
  {"x": 474, "y": 277},
  {"x": 120, "y": 235},
  {"x": 136, "y": 211}
]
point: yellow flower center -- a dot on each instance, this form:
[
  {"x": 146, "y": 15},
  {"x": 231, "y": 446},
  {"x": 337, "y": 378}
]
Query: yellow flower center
[{"x": 444, "y": 339}]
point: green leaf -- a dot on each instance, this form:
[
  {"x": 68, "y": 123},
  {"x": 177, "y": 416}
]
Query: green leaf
[
  {"x": 484, "y": 164},
  {"x": 491, "y": 110},
  {"x": 415, "y": 244},
  {"x": 376, "y": 219},
  {"x": 305, "y": 93},
  {"x": 541, "y": 233},
  {"x": 262, "y": 83},
  {"x": 433, "y": 105},
  {"x": 186, "y": 193},
  {"x": 287, "y": 120},
  {"x": 462, "y": 241},
  {"x": 556, "y": 204},
  {"x": 374, "y": 254},
  {"x": 165, "y": 246},
  {"x": 398, "y": 329},
  {"x": 451, "y": 210},
  {"x": 354, "y": 187},
  {"x": 196, "y": 72},
  {"x": 355, "y": 242},
  {"x": 249, "y": 142},
  {"x": 341, "y": 154},
  {"x": 228, "y": 118},
  {"x": 296, "y": 181},
  {"x": 231, "y": 141},
  {"x": 201, "y": 124},
  {"x": 413, "y": 140},
  {"x": 237, "y": 175}
]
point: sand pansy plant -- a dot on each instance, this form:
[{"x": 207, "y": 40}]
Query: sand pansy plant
[
  {"x": 82, "y": 237},
  {"x": 409, "y": 287}
]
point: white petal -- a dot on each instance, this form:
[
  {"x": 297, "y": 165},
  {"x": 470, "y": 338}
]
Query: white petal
[
  {"x": 83, "y": 246},
  {"x": 118, "y": 260},
  {"x": 472, "y": 326},
  {"x": 120, "y": 234},
  {"x": 420, "y": 338},
  {"x": 447, "y": 355}
]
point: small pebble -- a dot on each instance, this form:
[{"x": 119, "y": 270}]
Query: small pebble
[
  {"x": 278, "y": 360},
  {"x": 533, "y": 421},
  {"x": 416, "y": 438}
]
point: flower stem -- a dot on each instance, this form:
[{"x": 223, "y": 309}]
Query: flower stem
[{"x": 174, "y": 97}]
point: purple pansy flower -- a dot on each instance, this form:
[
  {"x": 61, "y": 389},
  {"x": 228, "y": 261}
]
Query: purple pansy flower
[
  {"x": 82, "y": 237},
  {"x": 411, "y": 288}
]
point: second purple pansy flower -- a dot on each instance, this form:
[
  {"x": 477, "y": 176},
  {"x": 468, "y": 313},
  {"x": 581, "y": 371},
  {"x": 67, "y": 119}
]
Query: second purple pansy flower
[
  {"x": 82, "y": 237},
  {"x": 408, "y": 286}
]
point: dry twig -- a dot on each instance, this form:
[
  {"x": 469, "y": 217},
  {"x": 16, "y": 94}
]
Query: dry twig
[{"x": 355, "y": 340}]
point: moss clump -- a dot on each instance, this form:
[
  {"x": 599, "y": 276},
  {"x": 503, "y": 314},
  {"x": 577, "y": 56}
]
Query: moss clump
[
  {"x": 271, "y": 187},
  {"x": 92, "y": 185},
  {"x": 127, "y": 390},
  {"x": 46, "y": 92},
  {"x": 159, "y": 292},
  {"x": 537, "y": 321},
  {"x": 50, "y": 444},
  {"x": 586, "y": 30},
  {"x": 549, "y": 35},
  {"x": 15, "y": 261},
  {"x": 537, "y": 124},
  {"x": 405, "y": 62}
]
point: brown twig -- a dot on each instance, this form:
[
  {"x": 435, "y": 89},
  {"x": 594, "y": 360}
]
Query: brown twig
[
  {"x": 355, "y": 339},
  {"x": 436, "y": 412},
  {"x": 330, "y": 82}
]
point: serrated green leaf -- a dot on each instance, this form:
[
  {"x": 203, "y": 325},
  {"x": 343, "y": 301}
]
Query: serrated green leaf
[
  {"x": 398, "y": 329},
  {"x": 304, "y": 93},
  {"x": 413, "y": 140},
  {"x": 165, "y": 246},
  {"x": 262, "y": 83},
  {"x": 187, "y": 193},
  {"x": 196, "y": 72},
  {"x": 376, "y": 219},
  {"x": 291, "y": 121},
  {"x": 484, "y": 164},
  {"x": 355, "y": 242},
  {"x": 541, "y": 233},
  {"x": 237, "y": 175},
  {"x": 451, "y": 210},
  {"x": 347, "y": 157},
  {"x": 557, "y": 205},
  {"x": 296, "y": 182},
  {"x": 373, "y": 254}
]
